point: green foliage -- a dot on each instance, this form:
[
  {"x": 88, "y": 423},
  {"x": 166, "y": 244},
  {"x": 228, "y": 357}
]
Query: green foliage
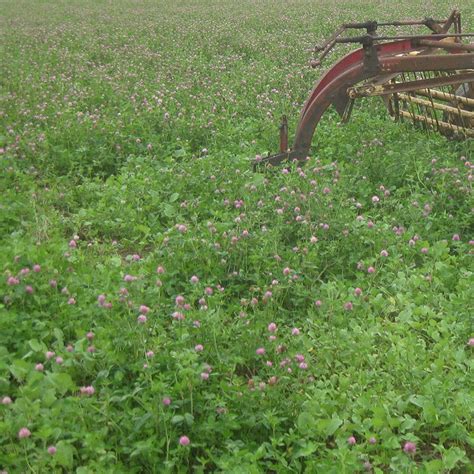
[{"x": 110, "y": 206}]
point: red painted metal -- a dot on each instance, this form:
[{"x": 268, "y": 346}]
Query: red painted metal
[
  {"x": 351, "y": 59},
  {"x": 379, "y": 62},
  {"x": 338, "y": 68},
  {"x": 334, "y": 84},
  {"x": 319, "y": 103}
]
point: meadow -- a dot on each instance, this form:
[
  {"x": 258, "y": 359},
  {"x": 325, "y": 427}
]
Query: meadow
[{"x": 164, "y": 308}]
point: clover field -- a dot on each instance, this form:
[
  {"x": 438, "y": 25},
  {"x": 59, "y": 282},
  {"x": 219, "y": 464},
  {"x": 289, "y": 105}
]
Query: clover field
[{"x": 164, "y": 308}]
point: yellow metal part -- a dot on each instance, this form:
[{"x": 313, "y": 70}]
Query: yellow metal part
[
  {"x": 446, "y": 126},
  {"x": 438, "y": 105},
  {"x": 446, "y": 96}
]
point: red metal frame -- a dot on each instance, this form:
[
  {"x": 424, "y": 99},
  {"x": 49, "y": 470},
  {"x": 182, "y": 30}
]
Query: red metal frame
[{"x": 375, "y": 61}]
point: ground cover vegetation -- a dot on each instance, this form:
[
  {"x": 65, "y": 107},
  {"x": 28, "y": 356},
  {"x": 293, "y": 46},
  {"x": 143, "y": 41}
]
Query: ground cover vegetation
[{"x": 166, "y": 309}]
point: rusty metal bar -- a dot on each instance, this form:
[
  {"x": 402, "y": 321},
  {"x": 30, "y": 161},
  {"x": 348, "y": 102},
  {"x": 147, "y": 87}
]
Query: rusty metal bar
[
  {"x": 441, "y": 44},
  {"x": 411, "y": 22},
  {"x": 434, "y": 27},
  {"x": 455, "y": 17},
  {"x": 371, "y": 27},
  {"x": 346, "y": 115},
  {"x": 369, "y": 38},
  {"x": 371, "y": 24},
  {"x": 330, "y": 41},
  {"x": 438, "y": 123},
  {"x": 447, "y": 62},
  {"x": 457, "y": 23},
  {"x": 446, "y": 96},
  {"x": 390, "y": 88},
  {"x": 284, "y": 134},
  {"x": 437, "y": 105},
  {"x": 327, "y": 46}
]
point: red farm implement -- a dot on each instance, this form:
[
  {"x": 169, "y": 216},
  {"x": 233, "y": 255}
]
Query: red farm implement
[{"x": 427, "y": 78}]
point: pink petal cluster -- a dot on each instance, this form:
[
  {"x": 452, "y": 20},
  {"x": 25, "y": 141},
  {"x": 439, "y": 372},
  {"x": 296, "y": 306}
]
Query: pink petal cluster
[
  {"x": 6, "y": 400},
  {"x": 88, "y": 390},
  {"x": 409, "y": 447},
  {"x": 272, "y": 327},
  {"x": 24, "y": 433}
]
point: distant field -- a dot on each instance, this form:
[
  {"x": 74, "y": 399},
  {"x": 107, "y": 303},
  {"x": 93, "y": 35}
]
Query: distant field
[{"x": 165, "y": 309}]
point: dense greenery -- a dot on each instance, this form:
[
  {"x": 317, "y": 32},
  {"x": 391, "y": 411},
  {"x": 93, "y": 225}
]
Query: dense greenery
[{"x": 166, "y": 309}]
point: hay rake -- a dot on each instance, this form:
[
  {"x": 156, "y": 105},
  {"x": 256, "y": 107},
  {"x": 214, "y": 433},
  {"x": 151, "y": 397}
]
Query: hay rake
[{"x": 426, "y": 78}]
